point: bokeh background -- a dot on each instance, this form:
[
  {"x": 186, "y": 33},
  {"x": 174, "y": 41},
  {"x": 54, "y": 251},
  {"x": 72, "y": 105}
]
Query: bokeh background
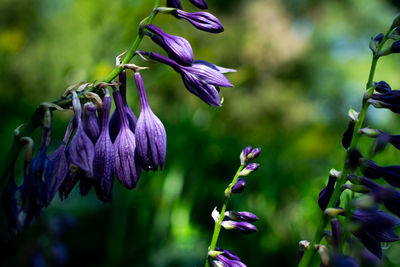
[{"x": 301, "y": 65}]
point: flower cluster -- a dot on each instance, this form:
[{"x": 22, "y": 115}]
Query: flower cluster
[
  {"x": 360, "y": 223},
  {"x": 233, "y": 220},
  {"x": 98, "y": 147}
]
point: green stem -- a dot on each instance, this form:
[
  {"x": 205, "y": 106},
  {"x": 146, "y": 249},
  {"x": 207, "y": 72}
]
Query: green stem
[
  {"x": 34, "y": 122},
  {"x": 217, "y": 226},
  {"x": 309, "y": 253}
]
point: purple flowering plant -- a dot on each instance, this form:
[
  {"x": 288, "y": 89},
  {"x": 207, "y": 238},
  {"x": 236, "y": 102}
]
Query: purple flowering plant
[
  {"x": 99, "y": 147},
  {"x": 354, "y": 227}
]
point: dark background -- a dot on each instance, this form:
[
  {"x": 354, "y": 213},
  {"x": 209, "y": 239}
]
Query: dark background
[{"x": 301, "y": 65}]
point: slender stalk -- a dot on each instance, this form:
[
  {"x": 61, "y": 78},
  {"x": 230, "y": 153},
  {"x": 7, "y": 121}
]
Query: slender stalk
[
  {"x": 217, "y": 226},
  {"x": 309, "y": 253},
  {"x": 34, "y": 122}
]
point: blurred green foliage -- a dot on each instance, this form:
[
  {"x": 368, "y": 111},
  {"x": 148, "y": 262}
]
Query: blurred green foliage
[{"x": 301, "y": 65}]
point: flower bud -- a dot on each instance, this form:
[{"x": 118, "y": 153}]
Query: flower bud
[
  {"x": 243, "y": 227},
  {"x": 382, "y": 87},
  {"x": 251, "y": 167},
  {"x": 239, "y": 186},
  {"x": 215, "y": 215},
  {"x": 395, "y": 23},
  {"x": 353, "y": 115},
  {"x": 324, "y": 254},
  {"x": 241, "y": 215},
  {"x": 348, "y": 135},
  {"x": 243, "y": 156},
  {"x": 201, "y": 20}
]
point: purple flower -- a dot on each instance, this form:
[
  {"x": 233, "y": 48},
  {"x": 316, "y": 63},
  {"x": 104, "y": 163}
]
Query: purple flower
[
  {"x": 251, "y": 167},
  {"x": 375, "y": 226},
  {"x": 227, "y": 258},
  {"x": 202, "y": 4},
  {"x": 248, "y": 154},
  {"x": 126, "y": 165},
  {"x": 243, "y": 227},
  {"x": 339, "y": 260},
  {"x": 389, "y": 100},
  {"x": 104, "y": 157},
  {"x": 336, "y": 232},
  {"x": 81, "y": 150},
  {"x": 326, "y": 193},
  {"x": 130, "y": 116},
  {"x": 90, "y": 121},
  {"x": 174, "y": 3},
  {"x": 60, "y": 163},
  {"x": 200, "y": 79},
  {"x": 382, "y": 87},
  {"x": 239, "y": 186},
  {"x": 348, "y": 135},
  {"x": 151, "y": 138},
  {"x": 390, "y": 174},
  {"x": 241, "y": 215},
  {"x": 177, "y": 48},
  {"x": 201, "y": 20}
]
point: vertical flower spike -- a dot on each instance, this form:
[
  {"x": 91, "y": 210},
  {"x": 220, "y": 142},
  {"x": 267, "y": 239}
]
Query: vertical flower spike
[
  {"x": 151, "y": 138},
  {"x": 201, "y": 20},
  {"x": 126, "y": 166},
  {"x": 81, "y": 150},
  {"x": 177, "y": 48},
  {"x": 104, "y": 155},
  {"x": 130, "y": 116},
  {"x": 60, "y": 163},
  {"x": 202, "y": 4},
  {"x": 40, "y": 173},
  {"x": 174, "y": 3},
  {"x": 90, "y": 121}
]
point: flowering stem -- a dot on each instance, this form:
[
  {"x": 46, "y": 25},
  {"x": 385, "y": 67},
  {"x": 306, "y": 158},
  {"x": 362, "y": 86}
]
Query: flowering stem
[
  {"x": 217, "y": 226},
  {"x": 34, "y": 122},
  {"x": 309, "y": 253}
]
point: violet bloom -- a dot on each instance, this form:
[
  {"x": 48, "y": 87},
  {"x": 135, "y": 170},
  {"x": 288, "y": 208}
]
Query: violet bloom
[
  {"x": 104, "y": 155},
  {"x": 243, "y": 227},
  {"x": 375, "y": 226},
  {"x": 90, "y": 121},
  {"x": 60, "y": 163},
  {"x": 202, "y": 4},
  {"x": 389, "y": 100},
  {"x": 177, "y": 48},
  {"x": 126, "y": 165},
  {"x": 326, "y": 193},
  {"x": 251, "y": 167},
  {"x": 241, "y": 215},
  {"x": 151, "y": 138},
  {"x": 201, "y": 20},
  {"x": 239, "y": 186},
  {"x": 348, "y": 135},
  {"x": 382, "y": 87},
  {"x": 390, "y": 174},
  {"x": 382, "y": 139},
  {"x": 130, "y": 116},
  {"x": 200, "y": 79},
  {"x": 248, "y": 154},
  {"x": 227, "y": 260},
  {"x": 174, "y": 3},
  {"x": 389, "y": 196},
  {"x": 336, "y": 232}
]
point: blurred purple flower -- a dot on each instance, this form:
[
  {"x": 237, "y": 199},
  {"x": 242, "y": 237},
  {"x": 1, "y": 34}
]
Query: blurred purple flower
[
  {"x": 243, "y": 227},
  {"x": 201, "y": 20},
  {"x": 239, "y": 186},
  {"x": 241, "y": 215},
  {"x": 391, "y": 174}
]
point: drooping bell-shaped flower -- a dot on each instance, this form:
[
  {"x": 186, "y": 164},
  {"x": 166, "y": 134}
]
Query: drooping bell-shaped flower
[
  {"x": 200, "y": 79},
  {"x": 151, "y": 139},
  {"x": 177, "y": 48},
  {"x": 375, "y": 226},
  {"x": 60, "y": 163},
  {"x": 104, "y": 157},
  {"x": 174, "y": 3},
  {"x": 201, "y": 20},
  {"x": 81, "y": 150},
  {"x": 390, "y": 174},
  {"x": 202, "y": 4},
  {"x": 126, "y": 166},
  {"x": 130, "y": 116},
  {"x": 90, "y": 121}
]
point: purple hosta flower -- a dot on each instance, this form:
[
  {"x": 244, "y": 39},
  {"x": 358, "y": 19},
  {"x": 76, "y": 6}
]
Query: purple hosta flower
[
  {"x": 241, "y": 215},
  {"x": 382, "y": 87},
  {"x": 326, "y": 193},
  {"x": 348, "y": 135},
  {"x": 248, "y": 154},
  {"x": 390, "y": 174},
  {"x": 201, "y": 20},
  {"x": 389, "y": 100},
  {"x": 336, "y": 232},
  {"x": 251, "y": 167},
  {"x": 104, "y": 155},
  {"x": 243, "y": 227},
  {"x": 375, "y": 226},
  {"x": 90, "y": 121},
  {"x": 202, "y": 4},
  {"x": 177, "y": 48},
  {"x": 126, "y": 166},
  {"x": 174, "y": 3},
  {"x": 228, "y": 261},
  {"x": 381, "y": 139},
  {"x": 60, "y": 163},
  {"x": 151, "y": 139},
  {"x": 200, "y": 79},
  {"x": 389, "y": 196},
  {"x": 239, "y": 186},
  {"x": 130, "y": 116},
  {"x": 81, "y": 150},
  {"x": 40, "y": 174}
]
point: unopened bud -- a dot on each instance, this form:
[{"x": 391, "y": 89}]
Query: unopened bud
[
  {"x": 333, "y": 212},
  {"x": 215, "y": 214},
  {"x": 249, "y": 169},
  {"x": 165, "y": 10},
  {"x": 353, "y": 115},
  {"x": 324, "y": 254},
  {"x": 239, "y": 186},
  {"x": 335, "y": 173},
  {"x": 214, "y": 253}
]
